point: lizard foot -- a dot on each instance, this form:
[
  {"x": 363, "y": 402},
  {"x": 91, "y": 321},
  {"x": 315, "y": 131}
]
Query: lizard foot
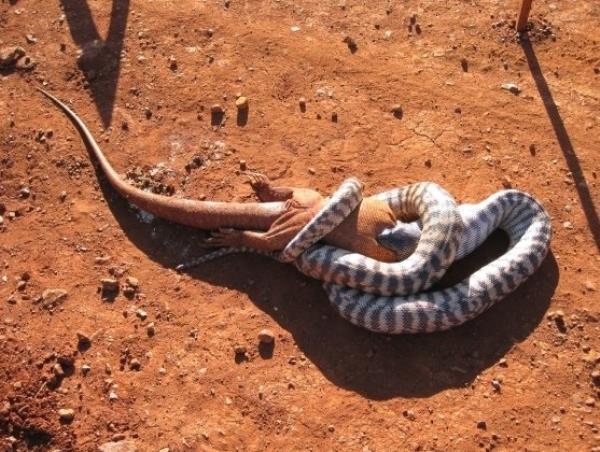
[
  {"x": 224, "y": 237},
  {"x": 259, "y": 182}
]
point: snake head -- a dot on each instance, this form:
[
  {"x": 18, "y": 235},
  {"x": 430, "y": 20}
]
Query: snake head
[{"x": 402, "y": 238}]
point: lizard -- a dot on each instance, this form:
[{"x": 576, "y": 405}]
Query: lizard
[{"x": 267, "y": 225}]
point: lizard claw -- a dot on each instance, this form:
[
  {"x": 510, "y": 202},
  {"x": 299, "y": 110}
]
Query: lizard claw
[{"x": 223, "y": 237}]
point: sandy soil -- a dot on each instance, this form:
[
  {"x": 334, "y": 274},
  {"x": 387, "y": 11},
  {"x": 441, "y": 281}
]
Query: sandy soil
[{"x": 144, "y": 76}]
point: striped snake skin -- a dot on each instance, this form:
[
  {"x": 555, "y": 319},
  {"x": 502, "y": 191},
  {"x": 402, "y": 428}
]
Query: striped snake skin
[
  {"x": 388, "y": 298},
  {"x": 529, "y": 229}
]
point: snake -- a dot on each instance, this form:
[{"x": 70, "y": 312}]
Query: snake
[{"x": 392, "y": 298}]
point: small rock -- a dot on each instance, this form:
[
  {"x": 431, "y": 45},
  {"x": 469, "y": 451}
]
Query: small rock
[
  {"x": 496, "y": 385},
  {"x": 217, "y": 109},
  {"x": 397, "y": 111},
  {"x": 243, "y": 165},
  {"x": 409, "y": 414},
  {"x": 118, "y": 446},
  {"x": 10, "y": 55},
  {"x": 596, "y": 377},
  {"x": 567, "y": 225},
  {"x": 513, "y": 88},
  {"x": 141, "y": 314},
  {"x": 266, "y": 336},
  {"x": 302, "y": 103},
  {"x": 172, "y": 63},
  {"x": 21, "y": 285},
  {"x": 66, "y": 415},
  {"x": 24, "y": 192},
  {"x": 506, "y": 182},
  {"x": 590, "y": 401},
  {"x": 351, "y": 43},
  {"x": 31, "y": 39},
  {"x": 241, "y": 103},
  {"x": 331, "y": 428},
  {"x": 53, "y": 297},
  {"x": 312, "y": 171},
  {"x": 62, "y": 196},
  {"x": 112, "y": 396},
  {"x": 239, "y": 350},
  {"x": 464, "y": 64},
  {"x": 83, "y": 340},
  {"x": 135, "y": 364},
  {"x": 109, "y": 284},
  {"x": 481, "y": 425},
  {"x": 334, "y": 117},
  {"x": 589, "y": 286},
  {"x": 85, "y": 369},
  {"x": 150, "y": 329}
]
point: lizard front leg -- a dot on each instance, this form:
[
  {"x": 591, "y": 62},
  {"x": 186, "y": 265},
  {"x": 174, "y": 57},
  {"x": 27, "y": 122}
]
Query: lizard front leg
[{"x": 235, "y": 238}]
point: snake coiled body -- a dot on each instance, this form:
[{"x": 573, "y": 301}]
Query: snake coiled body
[{"x": 528, "y": 227}]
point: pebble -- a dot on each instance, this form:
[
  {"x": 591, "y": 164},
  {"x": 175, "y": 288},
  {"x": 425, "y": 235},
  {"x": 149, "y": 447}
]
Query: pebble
[
  {"x": 135, "y": 364},
  {"x": 239, "y": 350},
  {"x": 334, "y": 117},
  {"x": 109, "y": 284},
  {"x": 397, "y": 110},
  {"x": 351, "y": 43},
  {"x": 21, "y": 285},
  {"x": 464, "y": 64},
  {"x": 241, "y": 103},
  {"x": 217, "y": 109},
  {"x": 53, "y": 297},
  {"x": 150, "y": 329},
  {"x": 596, "y": 377},
  {"x": 302, "y": 103},
  {"x": 10, "y": 55},
  {"x": 266, "y": 336},
  {"x": 24, "y": 192},
  {"x": 112, "y": 396},
  {"x": 496, "y": 385},
  {"x": 172, "y": 63},
  {"x": 512, "y": 87},
  {"x": 31, "y": 39},
  {"x": 589, "y": 285},
  {"x": 132, "y": 282},
  {"x": 1, "y": 220},
  {"x": 590, "y": 401},
  {"x": 141, "y": 314},
  {"x": 409, "y": 414},
  {"x": 312, "y": 171},
  {"x": 83, "y": 340},
  {"x": 85, "y": 369},
  {"x": 118, "y": 446},
  {"x": 243, "y": 165},
  {"x": 567, "y": 225},
  {"x": 62, "y": 196},
  {"x": 482, "y": 425},
  {"x": 66, "y": 415}
]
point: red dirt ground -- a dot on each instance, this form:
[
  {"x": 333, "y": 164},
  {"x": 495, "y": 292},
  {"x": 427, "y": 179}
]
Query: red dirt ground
[{"x": 515, "y": 378}]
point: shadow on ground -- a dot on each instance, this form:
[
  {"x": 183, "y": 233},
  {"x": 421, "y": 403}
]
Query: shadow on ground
[
  {"x": 375, "y": 366},
  {"x": 100, "y": 60}
]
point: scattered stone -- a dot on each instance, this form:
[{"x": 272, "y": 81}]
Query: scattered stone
[
  {"x": 10, "y": 55},
  {"x": 481, "y": 425},
  {"x": 590, "y": 401},
  {"x": 502, "y": 362},
  {"x": 334, "y": 117},
  {"x": 302, "y": 103},
  {"x": 31, "y": 39},
  {"x": 397, "y": 111},
  {"x": 85, "y": 369},
  {"x": 131, "y": 286},
  {"x": 532, "y": 149},
  {"x": 25, "y": 192},
  {"x": 112, "y": 396},
  {"x": 294, "y": 28},
  {"x": 351, "y": 43},
  {"x": 143, "y": 315},
  {"x": 150, "y": 329},
  {"x": 512, "y": 87},
  {"x": 496, "y": 385},
  {"x": 66, "y": 415},
  {"x": 409, "y": 414},
  {"x": 109, "y": 285},
  {"x": 135, "y": 364},
  {"x": 506, "y": 182},
  {"x": 589, "y": 286},
  {"x": 312, "y": 171},
  {"x": 243, "y": 165},
  {"x": 596, "y": 377},
  {"x": 62, "y": 196},
  {"x": 266, "y": 336},
  {"x": 559, "y": 319},
  {"x": 242, "y": 103},
  {"x": 21, "y": 285},
  {"x": 567, "y": 225},
  {"x": 172, "y": 63},
  {"x": 331, "y": 428},
  {"x": 51, "y": 298},
  {"x": 217, "y": 109},
  {"x": 464, "y": 64},
  {"x": 239, "y": 350},
  {"x": 83, "y": 340},
  {"x": 118, "y": 446}
]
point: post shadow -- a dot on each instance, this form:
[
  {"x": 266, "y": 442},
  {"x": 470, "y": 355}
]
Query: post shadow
[
  {"x": 564, "y": 141},
  {"x": 100, "y": 60}
]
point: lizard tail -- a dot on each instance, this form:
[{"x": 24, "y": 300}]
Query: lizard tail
[{"x": 190, "y": 212}]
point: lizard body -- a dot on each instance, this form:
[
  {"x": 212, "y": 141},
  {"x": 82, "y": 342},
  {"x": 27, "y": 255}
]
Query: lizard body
[{"x": 265, "y": 226}]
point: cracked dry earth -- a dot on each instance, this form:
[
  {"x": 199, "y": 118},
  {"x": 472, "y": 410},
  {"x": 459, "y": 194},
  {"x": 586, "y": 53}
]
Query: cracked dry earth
[{"x": 153, "y": 367}]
